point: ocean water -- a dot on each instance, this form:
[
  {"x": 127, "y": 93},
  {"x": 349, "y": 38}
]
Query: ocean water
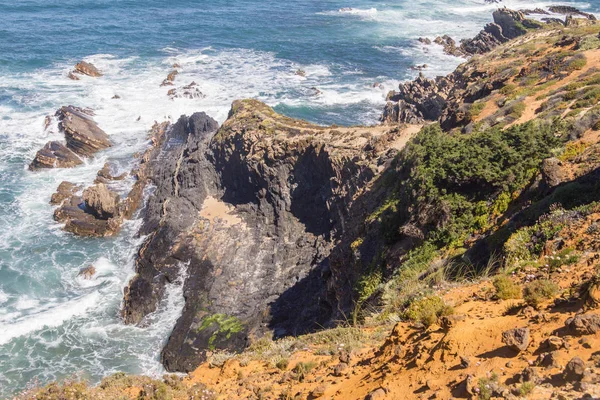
[{"x": 54, "y": 324}]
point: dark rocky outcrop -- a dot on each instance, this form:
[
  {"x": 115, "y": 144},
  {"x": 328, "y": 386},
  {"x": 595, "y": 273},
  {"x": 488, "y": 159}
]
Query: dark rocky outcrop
[
  {"x": 248, "y": 213},
  {"x": 443, "y": 98},
  {"x": 54, "y": 155},
  {"x": 571, "y": 11}
]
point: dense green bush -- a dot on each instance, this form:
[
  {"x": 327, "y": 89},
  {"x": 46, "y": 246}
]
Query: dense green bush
[{"x": 448, "y": 183}]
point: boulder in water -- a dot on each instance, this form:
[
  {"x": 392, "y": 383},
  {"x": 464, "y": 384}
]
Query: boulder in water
[
  {"x": 64, "y": 191},
  {"x": 82, "y": 133},
  {"x": 86, "y": 68},
  {"x": 54, "y": 155},
  {"x": 87, "y": 272},
  {"x": 101, "y": 201}
]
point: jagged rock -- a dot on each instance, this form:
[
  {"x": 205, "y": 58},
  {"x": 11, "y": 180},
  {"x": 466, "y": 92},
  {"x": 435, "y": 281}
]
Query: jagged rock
[
  {"x": 417, "y": 101},
  {"x": 548, "y": 360},
  {"x": 340, "y": 369},
  {"x": 86, "y": 68},
  {"x": 87, "y": 272},
  {"x": 423, "y": 40},
  {"x": 47, "y": 121},
  {"x": 83, "y": 135},
  {"x": 517, "y": 339},
  {"x": 191, "y": 91},
  {"x": 570, "y": 11},
  {"x": 54, "y": 155},
  {"x": 64, "y": 191},
  {"x": 574, "y": 370},
  {"x": 80, "y": 223},
  {"x": 102, "y": 202},
  {"x": 554, "y": 343},
  {"x": 584, "y": 324}
]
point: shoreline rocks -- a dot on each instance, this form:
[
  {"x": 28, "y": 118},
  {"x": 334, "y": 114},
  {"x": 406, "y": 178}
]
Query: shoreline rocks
[
  {"x": 83, "y": 138},
  {"x": 54, "y": 155}
]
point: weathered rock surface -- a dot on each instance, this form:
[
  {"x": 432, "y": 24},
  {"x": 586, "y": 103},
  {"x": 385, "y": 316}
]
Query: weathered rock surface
[
  {"x": 83, "y": 135},
  {"x": 517, "y": 339},
  {"x": 54, "y": 155},
  {"x": 584, "y": 324},
  {"x": 574, "y": 370},
  {"x": 251, "y": 209},
  {"x": 100, "y": 201}
]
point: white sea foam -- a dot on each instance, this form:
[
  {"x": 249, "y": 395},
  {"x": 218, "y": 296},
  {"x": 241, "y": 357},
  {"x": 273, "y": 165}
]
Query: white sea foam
[{"x": 52, "y": 317}]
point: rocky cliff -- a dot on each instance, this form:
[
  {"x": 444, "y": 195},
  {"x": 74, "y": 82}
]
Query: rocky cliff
[{"x": 248, "y": 213}]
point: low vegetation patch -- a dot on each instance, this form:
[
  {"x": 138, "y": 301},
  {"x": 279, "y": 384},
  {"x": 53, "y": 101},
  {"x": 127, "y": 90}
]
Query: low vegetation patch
[
  {"x": 506, "y": 288},
  {"x": 539, "y": 291},
  {"x": 428, "y": 310}
]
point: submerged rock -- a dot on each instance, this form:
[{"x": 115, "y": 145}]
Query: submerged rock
[
  {"x": 54, "y": 155},
  {"x": 87, "y": 272}
]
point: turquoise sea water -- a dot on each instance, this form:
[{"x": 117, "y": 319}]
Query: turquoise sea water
[{"x": 54, "y": 324}]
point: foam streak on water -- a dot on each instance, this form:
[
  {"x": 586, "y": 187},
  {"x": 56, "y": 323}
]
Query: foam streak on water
[{"x": 53, "y": 323}]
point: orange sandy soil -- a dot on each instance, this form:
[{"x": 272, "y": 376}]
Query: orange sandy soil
[{"x": 415, "y": 363}]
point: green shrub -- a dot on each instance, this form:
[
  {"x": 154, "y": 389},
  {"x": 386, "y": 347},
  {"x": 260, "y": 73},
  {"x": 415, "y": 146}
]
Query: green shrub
[
  {"x": 537, "y": 292},
  {"x": 577, "y": 63},
  {"x": 506, "y": 288},
  {"x": 526, "y": 388},
  {"x": 475, "y": 109},
  {"x": 517, "y": 110},
  {"x": 428, "y": 310},
  {"x": 446, "y": 178},
  {"x": 282, "y": 364}
]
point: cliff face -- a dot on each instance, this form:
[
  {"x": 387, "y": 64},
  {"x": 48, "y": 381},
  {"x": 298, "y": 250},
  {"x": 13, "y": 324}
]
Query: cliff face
[{"x": 249, "y": 214}]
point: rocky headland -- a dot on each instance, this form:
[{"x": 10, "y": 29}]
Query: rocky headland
[{"x": 450, "y": 252}]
